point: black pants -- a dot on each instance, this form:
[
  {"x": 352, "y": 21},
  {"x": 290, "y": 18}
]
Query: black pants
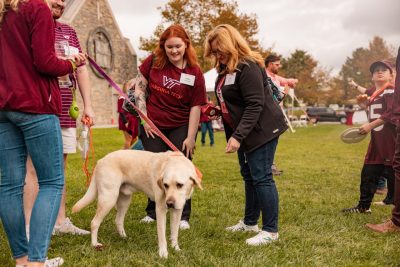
[
  {"x": 369, "y": 179},
  {"x": 151, "y": 209},
  {"x": 396, "y": 164},
  {"x": 176, "y": 136}
]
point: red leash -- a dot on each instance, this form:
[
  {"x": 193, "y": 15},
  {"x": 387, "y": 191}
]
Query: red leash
[{"x": 142, "y": 115}]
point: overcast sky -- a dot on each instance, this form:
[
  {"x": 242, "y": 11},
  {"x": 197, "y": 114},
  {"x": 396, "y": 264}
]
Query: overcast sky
[{"x": 328, "y": 29}]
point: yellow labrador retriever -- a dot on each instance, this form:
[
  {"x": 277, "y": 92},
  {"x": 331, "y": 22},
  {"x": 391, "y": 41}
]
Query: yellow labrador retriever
[{"x": 167, "y": 178}]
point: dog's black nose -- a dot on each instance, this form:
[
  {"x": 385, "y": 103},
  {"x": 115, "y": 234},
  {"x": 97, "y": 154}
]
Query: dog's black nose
[{"x": 170, "y": 205}]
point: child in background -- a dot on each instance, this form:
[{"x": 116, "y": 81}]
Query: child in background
[{"x": 127, "y": 122}]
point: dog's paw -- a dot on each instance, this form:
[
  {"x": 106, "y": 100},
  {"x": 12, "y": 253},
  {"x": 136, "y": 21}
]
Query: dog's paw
[
  {"x": 163, "y": 253},
  {"x": 122, "y": 233},
  {"x": 98, "y": 247},
  {"x": 176, "y": 247}
]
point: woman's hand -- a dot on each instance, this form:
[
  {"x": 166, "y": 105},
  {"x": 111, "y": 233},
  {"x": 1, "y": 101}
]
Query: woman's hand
[
  {"x": 148, "y": 130},
  {"x": 232, "y": 146},
  {"x": 189, "y": 144}
]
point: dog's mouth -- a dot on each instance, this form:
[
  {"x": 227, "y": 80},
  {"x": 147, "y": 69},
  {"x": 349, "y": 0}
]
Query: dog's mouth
[{"x": 170, "y": 206}]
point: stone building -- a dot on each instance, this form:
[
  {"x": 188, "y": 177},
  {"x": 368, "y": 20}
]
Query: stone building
[{"x": 101, "y": 38}]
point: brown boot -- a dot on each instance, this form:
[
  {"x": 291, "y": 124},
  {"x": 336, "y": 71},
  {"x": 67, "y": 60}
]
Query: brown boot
[{"x": 386, "y": 227}]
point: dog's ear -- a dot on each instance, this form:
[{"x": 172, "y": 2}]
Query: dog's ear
[
  {"x": 160, "y": 183},
  {"x": 196, "y": 181}
]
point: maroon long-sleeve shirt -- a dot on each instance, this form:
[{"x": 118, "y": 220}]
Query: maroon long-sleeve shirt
[
  {"x": 28, "y": 64},
  {"x": 396, "y": 103}
]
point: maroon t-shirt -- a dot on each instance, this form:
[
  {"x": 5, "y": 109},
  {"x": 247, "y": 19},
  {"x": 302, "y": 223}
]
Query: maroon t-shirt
[
  {"x": 169, "y": 101},
  {"x": 382, "y": 144},
  {"x": 370, "y": 91}
]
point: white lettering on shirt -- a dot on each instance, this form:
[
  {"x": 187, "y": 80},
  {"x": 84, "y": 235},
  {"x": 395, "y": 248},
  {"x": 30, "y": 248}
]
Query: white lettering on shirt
[{"x": 169, "y": 82}]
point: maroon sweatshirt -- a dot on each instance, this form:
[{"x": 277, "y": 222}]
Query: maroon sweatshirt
[
  {"x": 396, "y": 101},
  {"x": 28, "y": 64}
]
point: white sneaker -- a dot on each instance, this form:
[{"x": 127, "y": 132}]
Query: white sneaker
[
  {"x": 54, "y": 262},
  {"x": 68, "y": 228},
  {"x": 261, "y": 238},
  {"x": 243, "y": 227},
  {"x": 184, "y": 225},
  {"x": 147, "y": 219}
]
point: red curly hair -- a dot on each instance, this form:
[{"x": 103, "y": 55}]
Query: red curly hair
[{"x": 160, "y": 56}]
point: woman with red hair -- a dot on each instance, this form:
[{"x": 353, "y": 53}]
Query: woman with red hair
[{"x": 170, "y": 89}]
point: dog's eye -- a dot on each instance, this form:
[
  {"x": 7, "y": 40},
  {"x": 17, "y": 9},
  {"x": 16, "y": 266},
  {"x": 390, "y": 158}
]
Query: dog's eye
[
  {"x": 179, "y": 185},
  {"x": 166, "y": 186}
]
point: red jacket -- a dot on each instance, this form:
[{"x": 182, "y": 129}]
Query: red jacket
[{"x": 29, "y": 66}]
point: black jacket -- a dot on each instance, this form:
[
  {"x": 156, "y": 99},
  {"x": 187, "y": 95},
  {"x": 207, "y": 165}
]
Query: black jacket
[{"x": 256, "y": 117}]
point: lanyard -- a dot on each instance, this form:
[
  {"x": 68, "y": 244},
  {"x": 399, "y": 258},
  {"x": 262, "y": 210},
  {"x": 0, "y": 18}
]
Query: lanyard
[
  {"x": 225, "y": 113},
  {"x": 378, "y": 92}
]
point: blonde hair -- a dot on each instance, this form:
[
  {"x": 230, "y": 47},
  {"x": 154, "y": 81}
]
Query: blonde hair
[
  {"x": 230, "y": 42},
  {"x": 5, "y": 5}
]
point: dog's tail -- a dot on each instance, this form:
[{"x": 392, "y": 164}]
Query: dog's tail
[{"x": 88, "y": 198}]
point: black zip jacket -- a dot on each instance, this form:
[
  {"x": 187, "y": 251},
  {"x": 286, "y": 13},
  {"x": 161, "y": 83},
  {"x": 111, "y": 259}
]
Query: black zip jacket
[{"x": 256, "y": 117}]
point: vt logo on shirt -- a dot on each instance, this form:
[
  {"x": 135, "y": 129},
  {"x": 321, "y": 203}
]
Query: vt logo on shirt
[{"x": 169, "y": 82}]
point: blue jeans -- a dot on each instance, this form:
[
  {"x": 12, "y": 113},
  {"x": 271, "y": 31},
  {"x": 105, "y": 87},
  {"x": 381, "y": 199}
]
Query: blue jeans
[
  {"x": 39, "y": 136},
  {"x": 260, "y": 190},
  {"x": 207, "y": 126}
]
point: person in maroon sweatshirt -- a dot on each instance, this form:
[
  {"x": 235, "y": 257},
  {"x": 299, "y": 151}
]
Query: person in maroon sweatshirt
[
  {"x": 29, "y": 105},
  {"x": 393, "y": 224}
]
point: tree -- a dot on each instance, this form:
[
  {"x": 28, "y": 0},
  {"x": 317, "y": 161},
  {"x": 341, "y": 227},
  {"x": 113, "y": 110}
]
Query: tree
[
  {"x": 356, "y": 67},
  {"x": 312, "y": 79},
  {"x": 198, "y": 17}
]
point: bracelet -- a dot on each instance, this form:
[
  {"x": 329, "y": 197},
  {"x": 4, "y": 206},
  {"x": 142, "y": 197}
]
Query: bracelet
[{"x": 73, "y": 65}]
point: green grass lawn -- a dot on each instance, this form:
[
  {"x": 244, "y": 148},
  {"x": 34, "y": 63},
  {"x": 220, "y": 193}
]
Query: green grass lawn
[{"x": 321, "y": 176}]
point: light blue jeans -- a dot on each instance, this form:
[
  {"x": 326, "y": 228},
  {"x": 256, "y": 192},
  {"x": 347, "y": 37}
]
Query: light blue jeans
[{"x": 39, "y": 136}]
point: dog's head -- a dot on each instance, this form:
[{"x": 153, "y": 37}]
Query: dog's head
[{"x": 177, "y": 180}]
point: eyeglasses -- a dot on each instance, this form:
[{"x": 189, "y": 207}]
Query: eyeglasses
[{"x": 217, "y": 53}]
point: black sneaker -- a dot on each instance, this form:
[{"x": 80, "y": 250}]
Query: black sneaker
[{"x": 356, "y": 209}]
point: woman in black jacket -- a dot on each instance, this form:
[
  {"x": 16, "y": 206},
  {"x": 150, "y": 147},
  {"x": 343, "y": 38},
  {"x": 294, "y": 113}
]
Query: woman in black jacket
[{"x": 253, "y": 122}]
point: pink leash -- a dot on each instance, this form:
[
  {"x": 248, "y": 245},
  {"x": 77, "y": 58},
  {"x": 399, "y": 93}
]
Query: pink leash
[{"x": 142, "y": 115}]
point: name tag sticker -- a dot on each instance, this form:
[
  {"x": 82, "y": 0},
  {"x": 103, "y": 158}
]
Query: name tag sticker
[
  {"x": 230, "y": 79},
  {"x": 187, "y": 79},
  {"x": 70, "y": 50}
]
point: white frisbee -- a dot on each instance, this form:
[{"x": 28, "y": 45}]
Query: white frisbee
[{"x": 352, "y": 135}]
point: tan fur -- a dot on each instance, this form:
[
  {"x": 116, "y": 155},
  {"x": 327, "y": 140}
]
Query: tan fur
[{"x": 163, "y": 177}]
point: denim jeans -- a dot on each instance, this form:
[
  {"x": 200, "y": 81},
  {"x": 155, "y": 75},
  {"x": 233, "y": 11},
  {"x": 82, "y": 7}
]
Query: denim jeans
[
  {"x": 207, "y": 126},
  {"x": 39, "y": 136},
  {"x": 260, "y": 190}
]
